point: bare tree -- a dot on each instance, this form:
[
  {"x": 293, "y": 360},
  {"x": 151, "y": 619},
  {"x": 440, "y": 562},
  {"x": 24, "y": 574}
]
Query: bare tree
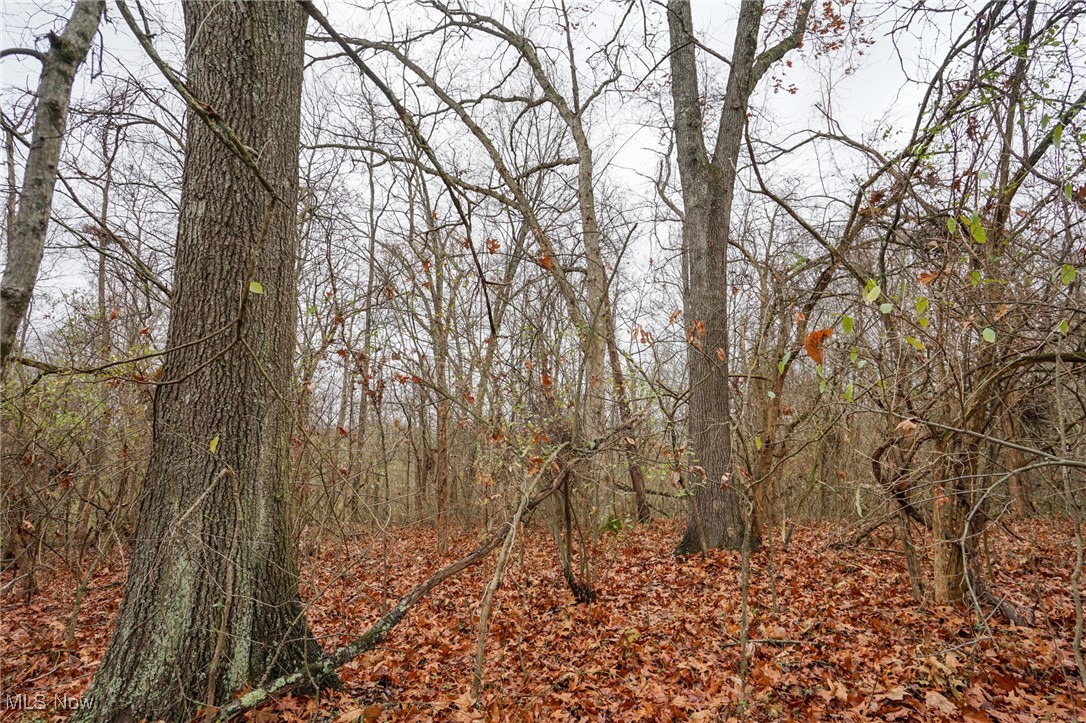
[
  {"x": 708, "y": 188},
  {"x": 27, "y": 241}
]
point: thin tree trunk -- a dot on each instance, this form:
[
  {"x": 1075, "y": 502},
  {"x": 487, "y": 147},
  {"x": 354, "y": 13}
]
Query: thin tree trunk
[
  {"x": 27, "y": 241},
  {"x": 637, "y": 478},
  {"x": 948, "y": 522}
]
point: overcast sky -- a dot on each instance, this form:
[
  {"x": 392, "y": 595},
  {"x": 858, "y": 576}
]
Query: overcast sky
[{"x": 870, "y": 91}]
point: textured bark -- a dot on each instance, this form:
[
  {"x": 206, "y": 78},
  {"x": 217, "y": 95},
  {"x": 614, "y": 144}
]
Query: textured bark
[
  {"x": 715, "y": 517},
  {"x": 211, "y": 604},
  {"x": 951, "y": 504},
  {"x": 26, "y": 241}
]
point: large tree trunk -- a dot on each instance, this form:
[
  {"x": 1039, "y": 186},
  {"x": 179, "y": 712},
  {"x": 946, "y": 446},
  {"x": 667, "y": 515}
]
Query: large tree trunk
[
  {"x": 211, "y": 604},
  {"x": 26, "y": 242}
]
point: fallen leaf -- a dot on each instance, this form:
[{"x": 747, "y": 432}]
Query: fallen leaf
[{"x": 938, "y": 701}]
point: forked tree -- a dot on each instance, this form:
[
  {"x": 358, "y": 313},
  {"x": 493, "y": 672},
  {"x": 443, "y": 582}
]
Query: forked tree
[{"x": 716, "y": 516}]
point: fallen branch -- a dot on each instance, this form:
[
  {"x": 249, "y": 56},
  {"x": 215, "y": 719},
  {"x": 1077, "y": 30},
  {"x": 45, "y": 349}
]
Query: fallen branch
[{"x": 322, "y": 669}]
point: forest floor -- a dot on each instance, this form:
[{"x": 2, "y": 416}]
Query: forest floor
[{"x": 838, "y": 634}]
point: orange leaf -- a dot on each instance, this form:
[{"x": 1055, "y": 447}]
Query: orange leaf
[
  {"x": 906, "y": 426},
  {"x": 926, "y": 278},
  {"x": 813, "y": 344},
  {"x": 546, "y": 261}
]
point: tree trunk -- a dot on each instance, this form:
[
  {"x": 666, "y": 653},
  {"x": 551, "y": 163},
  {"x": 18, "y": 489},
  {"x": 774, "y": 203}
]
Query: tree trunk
[
  {"x": 211, "y": 604},
  {"x": 715, "y": 517},
  {"x": 27, "y": 241},
  {"x": 951, "y": 500},
  {"x": 633, "y": 467},
  {"x": 1021, "y": 506}
]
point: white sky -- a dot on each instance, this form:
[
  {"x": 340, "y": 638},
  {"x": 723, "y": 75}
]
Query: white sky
[{"x": 875, "y": 93}]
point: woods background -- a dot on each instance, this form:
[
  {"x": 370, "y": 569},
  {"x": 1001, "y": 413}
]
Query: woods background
[{"x": 754, "y": 268}]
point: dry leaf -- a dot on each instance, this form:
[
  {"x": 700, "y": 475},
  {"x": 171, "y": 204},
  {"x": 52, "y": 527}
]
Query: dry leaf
[
  {"x": 906, "y": 426},
  {"x": 936, "y": 700},
  {"x": 813, "y": 344}
]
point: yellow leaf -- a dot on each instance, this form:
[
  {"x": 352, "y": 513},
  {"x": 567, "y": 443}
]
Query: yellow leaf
[{"x": 214, "y": 444}]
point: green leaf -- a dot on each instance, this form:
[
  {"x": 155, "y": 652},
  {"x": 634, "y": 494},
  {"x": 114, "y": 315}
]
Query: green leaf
[
  {"x": 974, "y": 278},
  {"x": 1068, "y": 274},
  {"x": 1057, "y": 135},
  {"x": 915, "y": 343},
  {"x": 951, "y": 225},
  {"x": 976, "y": 230},
  {"x": 771, "y": 394},
  {"x": 848, "y": 393},
  {"x": 871, "y": 292},
  {"x": 1064, "y": 326},
  {"x": 854, "y": 355},
  {"x": 924, "y": 323},
  {"x": 886, "y": 308},
  {"x": 989, "y": 334},
  {"x": 255, "y": 287},
  {"x": 758, "y": 443},
  {"x": 214, "y": 444},
  {"x": 846, "y": 324},
  {"x": 783, "y": 362},
  {"x": 922, "y": 304}
]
